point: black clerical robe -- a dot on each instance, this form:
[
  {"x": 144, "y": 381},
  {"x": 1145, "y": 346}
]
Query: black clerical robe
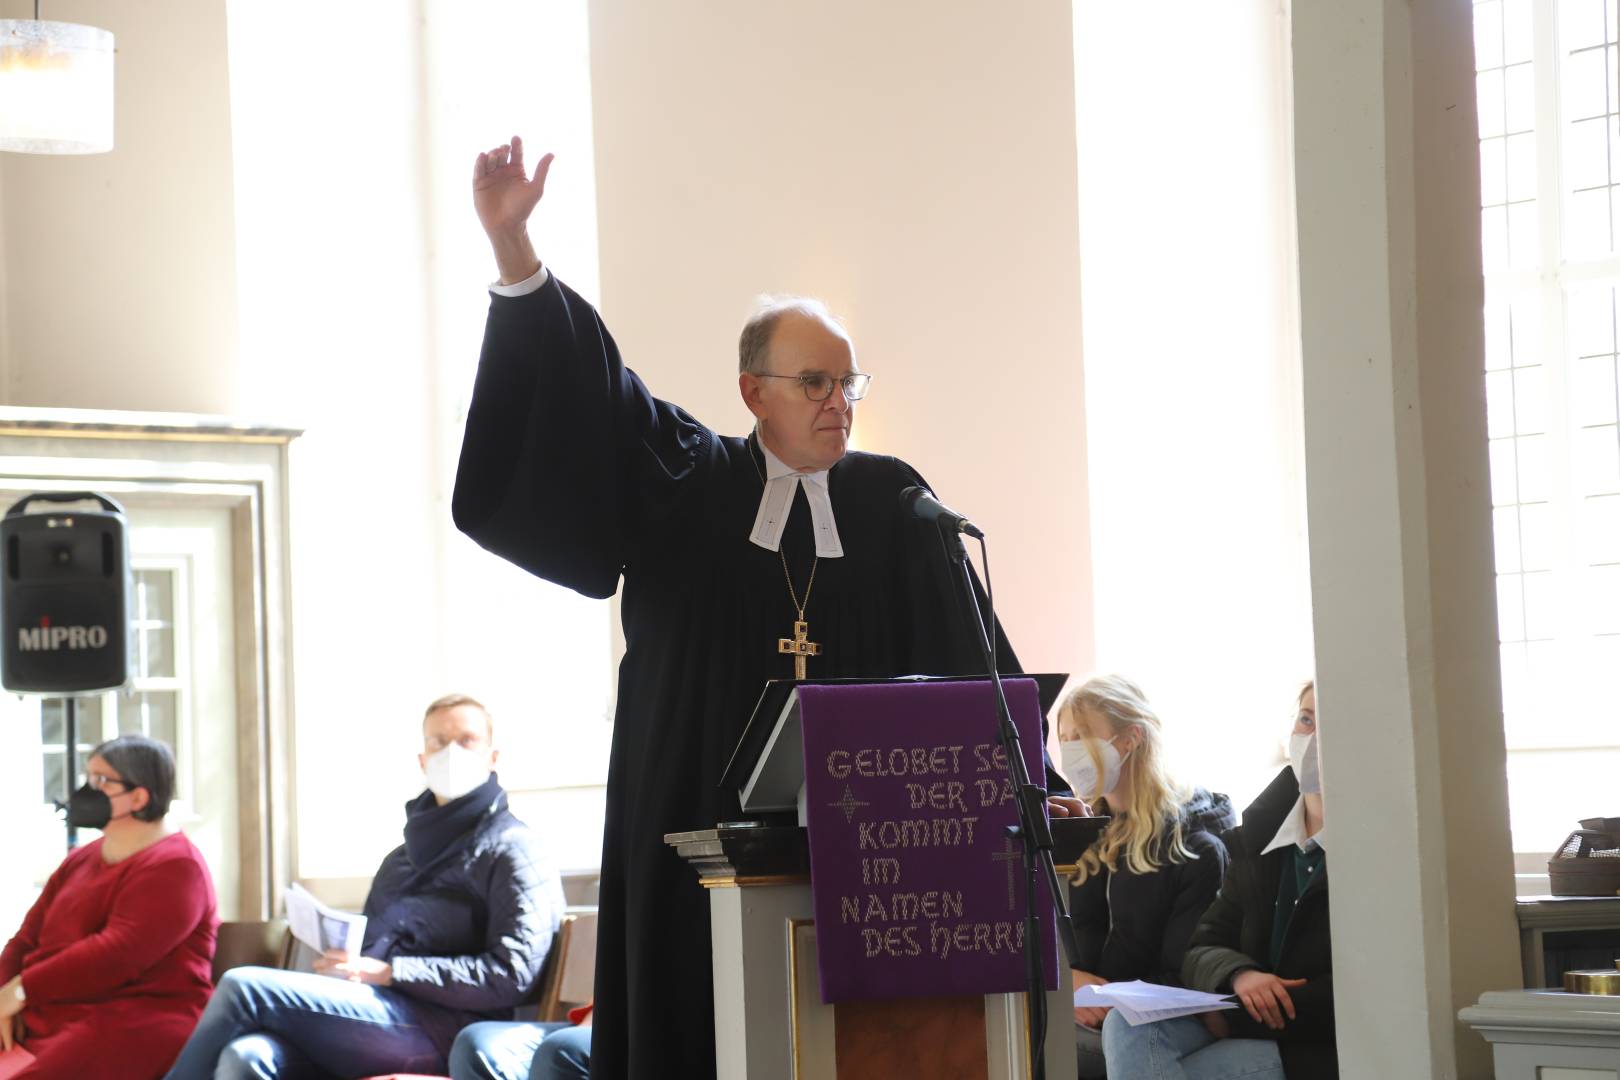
[{"x": 573, "y": 471}]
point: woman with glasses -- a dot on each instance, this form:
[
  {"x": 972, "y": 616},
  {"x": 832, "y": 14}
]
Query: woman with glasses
[{"x": 111, "y": 967}]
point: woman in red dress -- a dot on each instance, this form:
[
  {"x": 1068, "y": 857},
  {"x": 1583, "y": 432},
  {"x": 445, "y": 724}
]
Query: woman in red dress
[{"x": 111, "y": 968}]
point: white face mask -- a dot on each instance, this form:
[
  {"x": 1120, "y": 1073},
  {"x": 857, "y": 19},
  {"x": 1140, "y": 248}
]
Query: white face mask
[
  {"x": 456, "y": 770},
  {"x": 1302, "y": 756},
  {"x": 1081, "y": 770}
]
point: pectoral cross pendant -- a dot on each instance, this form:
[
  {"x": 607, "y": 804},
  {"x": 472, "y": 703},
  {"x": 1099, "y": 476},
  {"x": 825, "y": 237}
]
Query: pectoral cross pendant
[{"x": 800, "y": 647}]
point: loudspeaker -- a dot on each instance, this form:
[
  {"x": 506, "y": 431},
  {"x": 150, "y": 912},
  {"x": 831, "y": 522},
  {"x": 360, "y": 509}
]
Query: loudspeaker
[{"x": 66, "y": 594}]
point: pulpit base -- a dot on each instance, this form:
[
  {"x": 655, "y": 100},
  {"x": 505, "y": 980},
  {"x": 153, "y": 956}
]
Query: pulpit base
[{"x": 770, "y": 1020}]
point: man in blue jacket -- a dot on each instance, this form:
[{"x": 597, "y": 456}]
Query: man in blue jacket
[{"x": 459, "y": 920}]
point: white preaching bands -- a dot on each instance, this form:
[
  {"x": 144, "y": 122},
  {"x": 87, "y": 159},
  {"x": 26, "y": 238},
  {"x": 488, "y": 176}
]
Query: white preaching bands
[{"x": 781, "y": 481}]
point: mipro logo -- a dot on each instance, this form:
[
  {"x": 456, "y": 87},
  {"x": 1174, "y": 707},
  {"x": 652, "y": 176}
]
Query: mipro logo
[{"x": 47, "y": 638}]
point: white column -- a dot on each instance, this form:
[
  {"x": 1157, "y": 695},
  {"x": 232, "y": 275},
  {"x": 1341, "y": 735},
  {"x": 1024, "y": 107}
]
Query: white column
[{"x": 1399, "y": 510}]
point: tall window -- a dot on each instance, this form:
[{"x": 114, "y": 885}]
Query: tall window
[
  {"x": 155, "y": 704},
  {"x": 1550, "y": 218}
]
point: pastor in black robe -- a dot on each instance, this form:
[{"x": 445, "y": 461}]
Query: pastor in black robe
[{"x": 573, "y": 471}]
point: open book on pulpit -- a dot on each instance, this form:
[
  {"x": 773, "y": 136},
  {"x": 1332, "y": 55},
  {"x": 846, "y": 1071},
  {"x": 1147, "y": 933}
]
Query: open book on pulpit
[{"x": 767, "y": 766}]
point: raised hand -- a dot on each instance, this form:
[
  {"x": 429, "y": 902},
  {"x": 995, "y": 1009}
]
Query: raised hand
[{"x": 504, "y": 196}]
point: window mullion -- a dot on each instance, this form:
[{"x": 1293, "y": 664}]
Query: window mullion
[
  {"x": 1549, "y": 137},
  {"x": 1561, "y": 387}
]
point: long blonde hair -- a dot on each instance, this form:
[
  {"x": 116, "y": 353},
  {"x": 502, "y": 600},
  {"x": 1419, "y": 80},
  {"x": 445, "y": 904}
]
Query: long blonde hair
[{"x": 1137, "y": 831}]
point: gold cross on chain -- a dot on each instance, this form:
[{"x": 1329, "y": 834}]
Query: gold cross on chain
[{"x": 800, "y": 647}]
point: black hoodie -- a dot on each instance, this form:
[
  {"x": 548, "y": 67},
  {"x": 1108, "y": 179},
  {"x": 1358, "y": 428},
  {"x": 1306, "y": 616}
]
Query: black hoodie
[{"x": 1136, "y": 926}]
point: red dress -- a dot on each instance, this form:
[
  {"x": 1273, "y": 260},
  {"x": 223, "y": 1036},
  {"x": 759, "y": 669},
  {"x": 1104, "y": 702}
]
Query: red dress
[{"x": 116, "y": 961}]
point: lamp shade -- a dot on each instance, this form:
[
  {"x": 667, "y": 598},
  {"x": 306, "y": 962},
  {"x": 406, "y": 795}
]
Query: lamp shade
[{"x": 56, "y": 87}]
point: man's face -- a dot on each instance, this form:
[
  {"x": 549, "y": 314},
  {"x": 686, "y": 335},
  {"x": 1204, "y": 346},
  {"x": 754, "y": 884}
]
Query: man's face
[
  {"x": 463, "y": 725},
  {"x": 807, "y": 435}
]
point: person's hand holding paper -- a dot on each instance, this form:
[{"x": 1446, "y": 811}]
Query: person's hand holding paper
[
  {"x": 1144, "y": 1002},
  {"x": 322, "y": 928},
  {"x": 339, "y": 964}
]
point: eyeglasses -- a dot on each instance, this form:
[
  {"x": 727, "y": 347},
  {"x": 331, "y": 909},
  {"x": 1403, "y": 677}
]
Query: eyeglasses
[
  {"x": 100, "y": 780},
  {"x": 820, "y": 387}
]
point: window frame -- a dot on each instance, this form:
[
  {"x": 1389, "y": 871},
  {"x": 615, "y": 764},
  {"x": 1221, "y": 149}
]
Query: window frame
[{"x": 1547, "y": 285}]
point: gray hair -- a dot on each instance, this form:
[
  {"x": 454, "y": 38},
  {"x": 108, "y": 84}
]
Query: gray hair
[
  {"x": 753, "y": 343},
  {"x": 141, "y": 762}
]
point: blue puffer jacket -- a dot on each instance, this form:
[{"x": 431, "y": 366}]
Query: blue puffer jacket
[{"x": 466, "y": 909}]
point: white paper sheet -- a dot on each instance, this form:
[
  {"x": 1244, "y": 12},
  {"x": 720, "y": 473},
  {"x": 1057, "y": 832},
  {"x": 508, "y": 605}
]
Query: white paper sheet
[
  {"x": 1144, "y": 1002},
  {"x": 321, "y": 927}
]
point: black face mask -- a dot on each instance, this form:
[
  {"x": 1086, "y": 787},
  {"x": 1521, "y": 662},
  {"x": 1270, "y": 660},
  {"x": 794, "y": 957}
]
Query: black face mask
[{"x": 89, "y": 808}]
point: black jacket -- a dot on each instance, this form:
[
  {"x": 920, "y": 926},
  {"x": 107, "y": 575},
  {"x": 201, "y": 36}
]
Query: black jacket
[
  {"x": 1235, "y": 933},
  {"x": 1136, "y": 926},
  {"x": 465, "y": 910}
]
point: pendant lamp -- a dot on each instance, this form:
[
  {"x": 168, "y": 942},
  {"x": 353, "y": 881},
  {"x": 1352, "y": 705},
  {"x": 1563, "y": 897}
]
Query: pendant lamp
[{"x": 56, "y": 87}]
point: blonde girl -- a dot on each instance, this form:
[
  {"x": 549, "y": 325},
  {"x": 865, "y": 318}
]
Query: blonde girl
[{"x": 1139, "y": 890}]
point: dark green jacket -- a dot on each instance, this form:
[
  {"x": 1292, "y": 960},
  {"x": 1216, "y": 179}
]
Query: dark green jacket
[{"x": 1235, "y": 933}]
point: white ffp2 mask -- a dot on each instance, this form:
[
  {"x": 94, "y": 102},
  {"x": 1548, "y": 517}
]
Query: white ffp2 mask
[
  {"x": 1302, "y": 756},
  {"x": 455, "y": 771},
  {"x": 1081, "y": 769}
]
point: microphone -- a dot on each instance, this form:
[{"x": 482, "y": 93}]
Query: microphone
[{"x": 919, "y": 502}]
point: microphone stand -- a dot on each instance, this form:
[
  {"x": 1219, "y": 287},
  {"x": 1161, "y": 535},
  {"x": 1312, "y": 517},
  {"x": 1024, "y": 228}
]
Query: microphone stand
[
  {"x": 1032, "y": 828},
  {"x": 70, "y": 764}
]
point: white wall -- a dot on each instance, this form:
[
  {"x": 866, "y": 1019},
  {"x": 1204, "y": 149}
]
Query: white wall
[
  {"x": 356, "y": 216},
  {"x": 289, "y": 242},
  {"x": 913, "y": 164},
  {"x": 334, "y": 306},
  {"x": 1192, "y": 373},
  {"x": 120, "y": 269},
  {"x": 538, "y": 654}
]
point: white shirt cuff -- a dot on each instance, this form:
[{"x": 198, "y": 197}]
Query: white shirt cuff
[{"x": 533, "y": 283}]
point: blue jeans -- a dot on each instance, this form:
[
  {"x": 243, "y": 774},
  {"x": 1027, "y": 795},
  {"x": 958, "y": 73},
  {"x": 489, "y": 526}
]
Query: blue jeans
[
  {"x": 1183, "y": 1049},
  {"x": 497, "y": 1050},
  {"x": 563, "y": 1055},
  {"x": 1088, "y": 1049},
  {"x": 263, "y": 1022}
]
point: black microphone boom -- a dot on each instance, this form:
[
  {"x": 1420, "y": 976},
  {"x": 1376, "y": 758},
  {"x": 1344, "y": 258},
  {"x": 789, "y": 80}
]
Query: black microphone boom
[{"x": 919, "y": 502}]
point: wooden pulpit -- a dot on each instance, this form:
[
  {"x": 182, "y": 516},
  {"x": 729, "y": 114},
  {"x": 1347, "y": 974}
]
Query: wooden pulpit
[
  {"x": 770, "y": 1023},
  {"x": 885, "y": 815}
]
